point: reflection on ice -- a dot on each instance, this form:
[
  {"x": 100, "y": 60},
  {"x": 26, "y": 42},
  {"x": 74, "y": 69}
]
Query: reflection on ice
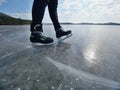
[
  {"x": 71, "y": 89},
  {"x": 28, "y": 78},
  {"x": 84, "y": 75},
  {"x": 18, "y": 89},
  {"x": 53, "y": 87},
  {"x": 90, "y": 55}
]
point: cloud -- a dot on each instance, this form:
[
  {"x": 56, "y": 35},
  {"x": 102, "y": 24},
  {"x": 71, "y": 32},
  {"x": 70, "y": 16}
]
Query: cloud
[
  {"x": 91, "y": 10},
  {"x": 2, "y": 1},
  {"x": 82, "y": 11},
  {"x": 21, "y": 15},
  {"x": 68, "y": 4}
]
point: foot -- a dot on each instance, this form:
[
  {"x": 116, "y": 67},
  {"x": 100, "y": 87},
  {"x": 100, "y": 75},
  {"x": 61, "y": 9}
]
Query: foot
[
  {"x": 38, "y": 37},
  {"x": 60, "y": 33}
]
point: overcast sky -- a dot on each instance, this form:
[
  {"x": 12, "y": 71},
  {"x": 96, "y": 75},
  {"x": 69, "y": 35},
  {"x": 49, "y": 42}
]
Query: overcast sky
[{"x": 68, "y": 10}]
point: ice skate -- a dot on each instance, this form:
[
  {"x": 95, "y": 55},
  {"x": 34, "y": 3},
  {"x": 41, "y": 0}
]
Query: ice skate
[
  {"x": 62, "y": 35},
  {"x": 37, "y": 37}
]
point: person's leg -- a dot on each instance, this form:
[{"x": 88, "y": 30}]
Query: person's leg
[
  {"x": 36, "y": 25},
  {"x": 52, "y": 7},
  {"x": 38, "y": 10}
]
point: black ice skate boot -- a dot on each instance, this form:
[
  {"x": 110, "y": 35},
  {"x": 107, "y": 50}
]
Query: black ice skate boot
[
  {"x": 62, "y": 35},
  {"x": 38, "y": 37}
]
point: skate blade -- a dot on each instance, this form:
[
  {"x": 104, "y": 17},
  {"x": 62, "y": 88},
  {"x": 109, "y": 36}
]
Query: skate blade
[
  {"x": 64, "y": 37},
  {"x": 40, "y": 44}
]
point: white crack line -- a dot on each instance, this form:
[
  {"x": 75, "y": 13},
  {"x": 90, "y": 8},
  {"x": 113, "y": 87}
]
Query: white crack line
[{"x": 85, "y": 75}]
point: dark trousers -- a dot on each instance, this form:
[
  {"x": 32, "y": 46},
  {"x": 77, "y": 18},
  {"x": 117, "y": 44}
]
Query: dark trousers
[{"x": 38, "y": 11}]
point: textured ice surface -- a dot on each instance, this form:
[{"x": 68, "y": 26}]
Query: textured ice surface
[
  {"x": 89, "y": 60},
  {"x": 84, "y": 75}
]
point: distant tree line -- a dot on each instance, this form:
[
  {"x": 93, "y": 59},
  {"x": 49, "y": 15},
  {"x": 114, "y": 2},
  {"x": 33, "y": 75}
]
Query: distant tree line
[{"x": 6, "y": 20}]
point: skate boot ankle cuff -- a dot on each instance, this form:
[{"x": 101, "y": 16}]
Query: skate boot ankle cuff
[
  {"x": 59, "y": 29},
  {"x": 38, "y": 27}
]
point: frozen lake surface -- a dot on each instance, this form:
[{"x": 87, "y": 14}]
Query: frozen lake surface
[{"x": 89, "y": 60}]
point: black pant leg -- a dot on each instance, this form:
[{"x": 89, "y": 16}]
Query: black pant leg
[
  {"x": 38, "y": 10},
  {"x": 52, "y": 7}
]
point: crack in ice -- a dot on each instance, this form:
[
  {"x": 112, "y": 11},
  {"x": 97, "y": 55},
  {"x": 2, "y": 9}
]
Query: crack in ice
[{"x": 85, "y": 75}]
